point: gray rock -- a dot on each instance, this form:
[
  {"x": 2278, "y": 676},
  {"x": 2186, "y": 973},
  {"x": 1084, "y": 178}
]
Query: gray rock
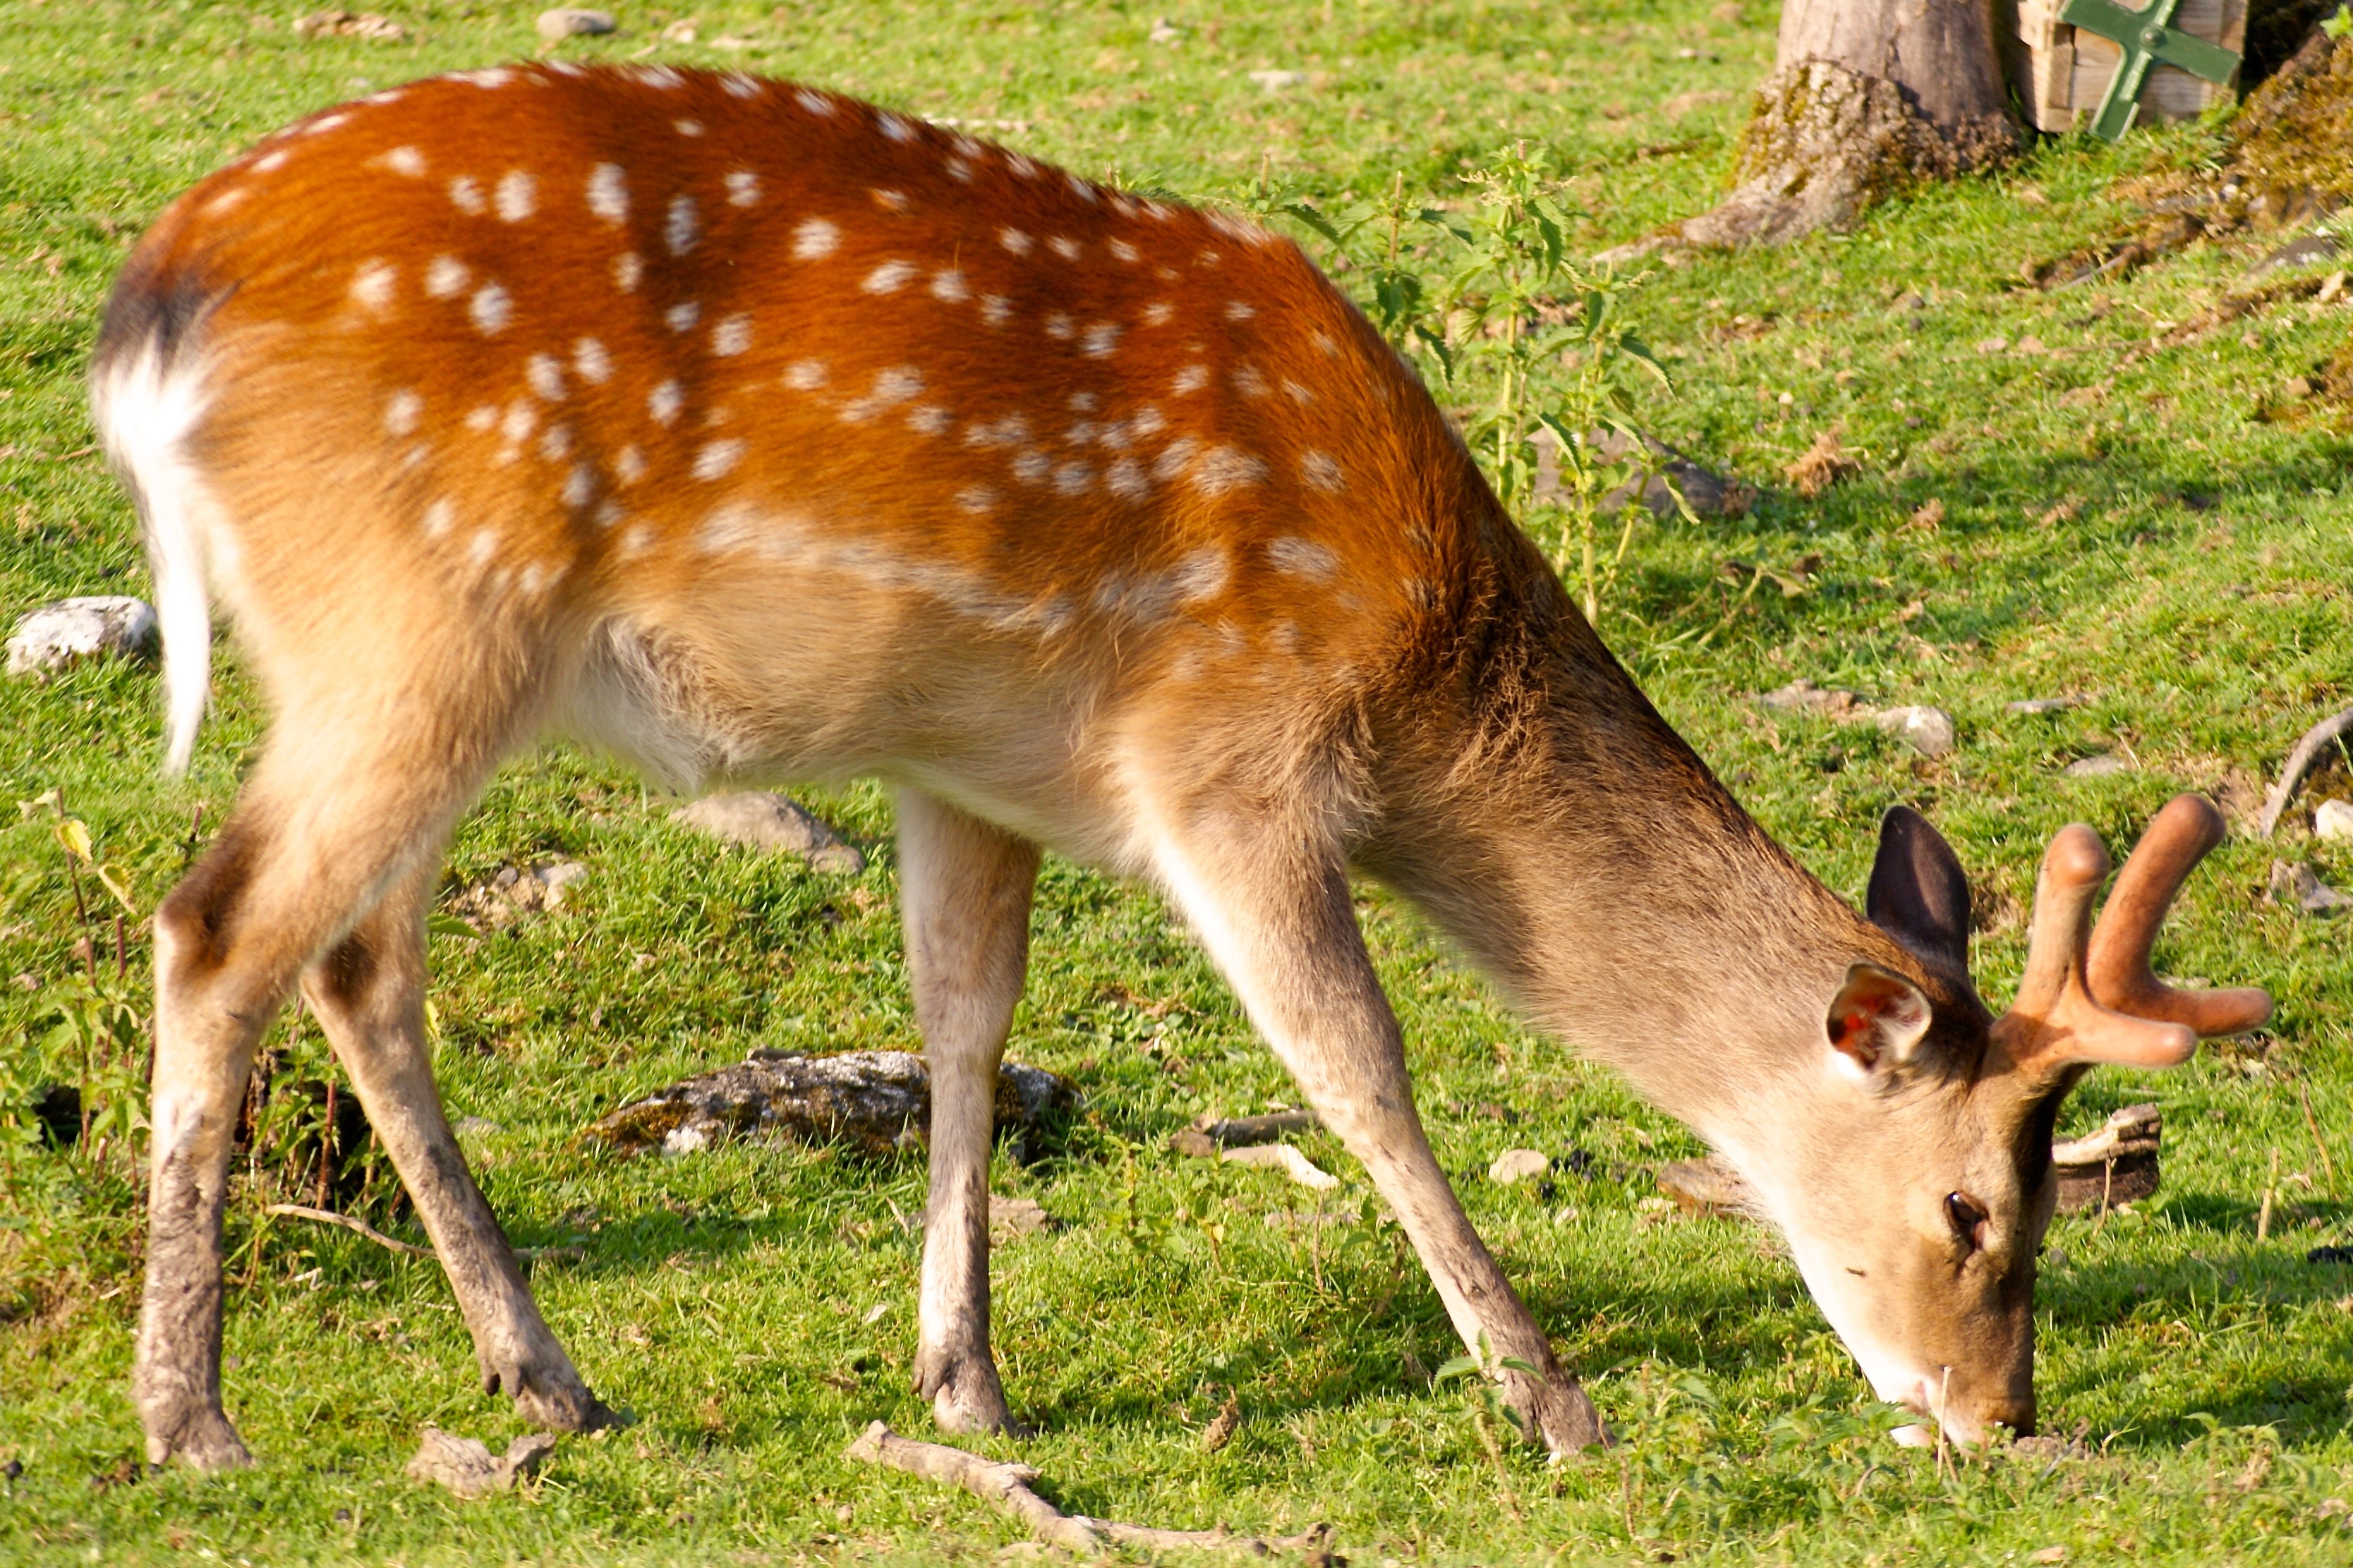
[
  {"x": 1802, "y": 696},
  {"x": 2300, "y": 885},
  {"x": 872, "y": 1101},
  {"x": 2334, "y": 820},
  {"x": 2038, "y": 707},
  {"x": 761, "y": 819},
  {"x": 2309, "y": 251},
  {"x": 1928, "y": 731},
  {"x": 56, "y": 635},
  {"x": 468, "y": 1469},
  {"x": 1514, "y": 1166},
  {"x": 2107, "y": 764},
  {"x": 574, "y": 22}
]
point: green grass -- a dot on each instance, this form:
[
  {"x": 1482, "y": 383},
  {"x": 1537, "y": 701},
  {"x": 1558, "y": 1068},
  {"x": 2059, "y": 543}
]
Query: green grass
[{"x": 2192, "y": 593}]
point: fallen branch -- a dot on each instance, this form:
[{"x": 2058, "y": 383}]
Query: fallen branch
[
  {"x": 361, "y": 1227},
  {"x": 1007, "y": 1486},
  {"x": 357, "y": 1226},
  {"x": 2299, "y": 762}
]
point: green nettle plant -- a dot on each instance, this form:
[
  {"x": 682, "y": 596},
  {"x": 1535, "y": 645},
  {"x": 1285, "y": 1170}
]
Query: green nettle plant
[{"x": 1523, "y": 340}]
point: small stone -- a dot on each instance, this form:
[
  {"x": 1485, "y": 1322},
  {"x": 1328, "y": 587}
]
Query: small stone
[
  {"x": 761, "y": 819},
  {"x": 1516, "y": 1165},
  {"x": 2300, "y": 885},
  {"x": 2304, "y": 252},
  {"x": 1928, "y": 731},
  {"x": 467, "y": 1467},
  {"x": 350, "y": 25},
  {"x": 2106, "y": 764},
  {"x": 1278, "y": 80},
  {"x": 1802, "y": 696},
  {"x": 2039, "y": 707},
  {"x": 573, "y": 22},
  {"x": 516, "y": 893},
  {"x": 56, "y": 635},
  {"x": 2333, "y": 820}
]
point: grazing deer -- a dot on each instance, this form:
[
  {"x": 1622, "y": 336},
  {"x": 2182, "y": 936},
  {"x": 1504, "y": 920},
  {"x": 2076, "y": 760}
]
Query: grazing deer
[{"x": 756, "y": 433}]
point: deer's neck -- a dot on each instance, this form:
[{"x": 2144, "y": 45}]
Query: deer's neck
[{"x": 1587, "y": 858}]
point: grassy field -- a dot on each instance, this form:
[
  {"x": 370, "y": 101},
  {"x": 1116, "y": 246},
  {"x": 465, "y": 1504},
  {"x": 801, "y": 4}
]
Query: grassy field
[{"x": 2159, "y": 531}]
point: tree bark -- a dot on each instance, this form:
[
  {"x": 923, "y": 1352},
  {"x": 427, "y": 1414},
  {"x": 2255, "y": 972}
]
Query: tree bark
[{"x": 1867, "y": 98}]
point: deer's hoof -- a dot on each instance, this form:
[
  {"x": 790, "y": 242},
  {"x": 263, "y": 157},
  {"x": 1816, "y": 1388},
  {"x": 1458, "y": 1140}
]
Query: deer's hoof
[{"x": 198, "y": 1436}]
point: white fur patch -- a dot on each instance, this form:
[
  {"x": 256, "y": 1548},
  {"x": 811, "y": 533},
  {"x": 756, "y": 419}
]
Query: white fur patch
[
  {"x": 517, "y": 197},
  {"x": 608, "y": 193}
]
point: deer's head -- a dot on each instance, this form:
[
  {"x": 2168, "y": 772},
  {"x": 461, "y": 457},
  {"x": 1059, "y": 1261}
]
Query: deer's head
[{"x": 1927, "y": 1191}]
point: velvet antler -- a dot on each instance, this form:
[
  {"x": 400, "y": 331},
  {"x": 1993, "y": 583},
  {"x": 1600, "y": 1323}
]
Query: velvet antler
[{"x": 2088, "y": 996}]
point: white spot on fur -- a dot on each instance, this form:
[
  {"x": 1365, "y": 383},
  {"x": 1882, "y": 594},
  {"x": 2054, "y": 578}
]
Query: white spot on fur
[
  {"x": 517, "y": 195},
  {"x": 1192, "y": 378},
  {"x": 1014, "y": 241},
  {"x": 439, "y": 518},
  {"x": 996, "y": 309},
  {"x": 445, "y": 277},
  {"x": 1060, "y": 328},
  {"x": 959, "y": 170},
  {"x": 687, "y": 127},
  {"x": 664, "y": 402},
  {"x": 742, "y": 188},
  {"x": 372, "y": 284},
  {"x": 804, "y": 374},
  {"x": 814, "y": 238},
  {"x": 1032, "y": 466},
  {"x": 739, "y": 84},
  {"x": 1067, "y": 249},
  {"x": 521, "y": 421},
  {"x": 546, "y": 374},
  {"x": 683, "y": 316},
  {"x": 1302, "y": 558},
  {"x": 1329, "y": 344},
  {"x": 1224, "y": 469},
  {"x": 401, "y": 412},
  {"x": 1321, "y": 472},
  {"x": 402, "y": 160},
  {"x": 1124, "y": 251},
  {"x": 1074, "y": 478},
  {"x": 1126, "y": 477},
  {"x": 1175, "y": 457},
  {"x": 270, "y": 162},
  {"x": 682, "y": 228},
  {"x": 889, "y": 278},
  {"x": 1080, "y": 188},
  {"x": 661, "y": 76},
  {"x": 976, "y": 498},
  {"x": 484, "y": 544},
  {"x": 1157, "y": 314},
  {"x": 1146, "y": 421},
  {"x": 589, "y": 358},
  {"x": 496, "y": 77},
  {"x": 896, "y": 128},
  {"x": 899, "y": 384},
  {"x": 466, "y": 193},
  {"x": 579, "y": 487},
  {"x": 1101, "y": 339},
  {"x": 608, "y": 193},
  {"x": 1240, "y": 310},
  {"x": 930, "y": 419},
  {"x": 1249, "y": 381},
  {"x": 482, "y": 417},
  {"x": 731, "y": 336},
  {"x": 1005, "y": 430},
  {"x": 948, "y": 285},
  {"x": 812, "y": 102},
  {"x": 1296, "y": 393},
  {"x": 491, "y": 309},
  {"x": 890, "y": 201},
  {"x": 629, "y": 465},
  {"x": 717, "y": 460},
  {"x": 627, "y": 268}
]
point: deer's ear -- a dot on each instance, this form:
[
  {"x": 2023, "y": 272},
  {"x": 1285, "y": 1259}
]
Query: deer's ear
[
  {"x": 1919, "y": 895},
  {"x": 1876, "y": 1023}
]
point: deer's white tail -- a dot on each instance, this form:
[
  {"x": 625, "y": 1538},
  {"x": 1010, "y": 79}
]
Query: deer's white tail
[{"x": 147, "y": 400}]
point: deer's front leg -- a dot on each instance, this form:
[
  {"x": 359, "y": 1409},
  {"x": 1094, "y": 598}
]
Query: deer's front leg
[
  {"x": 369, "y": 995},
  {"x": 965, "y": 888},
  {"x": 1279, "y": 921}
]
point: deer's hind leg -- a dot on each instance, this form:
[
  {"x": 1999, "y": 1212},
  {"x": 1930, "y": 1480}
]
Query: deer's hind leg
[
  {"x": 965, "y": 888},
  {"x": 369, "y": 995},
  {"x": 353, "y": 797}
]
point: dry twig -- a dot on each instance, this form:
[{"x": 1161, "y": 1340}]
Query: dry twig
[
  {"x": 2299, "y": 762},
  {"x": 1007, "y": 1487},
  {"x": 357, "y": 1226}
]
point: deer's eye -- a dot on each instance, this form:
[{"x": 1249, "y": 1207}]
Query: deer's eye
[{"x": 1968, "y": 1218}]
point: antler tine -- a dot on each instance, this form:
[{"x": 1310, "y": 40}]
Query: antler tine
[
  {"x": 2118, "y": 965},
  {"x": 2055, "y": 1021}
]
